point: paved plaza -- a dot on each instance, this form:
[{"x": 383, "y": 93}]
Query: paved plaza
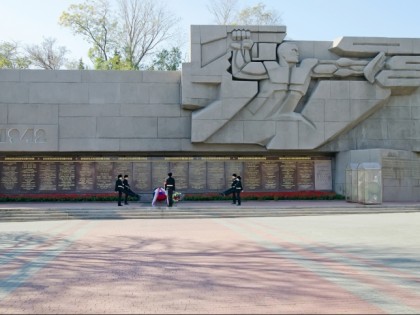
[{"x": 351, "y": 263}]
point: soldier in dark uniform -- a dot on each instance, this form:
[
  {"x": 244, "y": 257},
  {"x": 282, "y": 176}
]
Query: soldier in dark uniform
[
  {"x": 238, "y": 188},
  {"x": 128, "y": 191},
  {"x": 232, "y": 189},
  {"x": 170, "y": 188},
  {"x": 119, "y": 186}
]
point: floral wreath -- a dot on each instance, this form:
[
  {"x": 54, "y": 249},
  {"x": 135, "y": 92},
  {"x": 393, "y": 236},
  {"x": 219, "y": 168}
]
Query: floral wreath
[{"x": 177, "y": 196}]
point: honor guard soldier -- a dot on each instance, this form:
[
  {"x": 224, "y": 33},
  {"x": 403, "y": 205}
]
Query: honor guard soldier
[
  {"x": 128, "y": 191},
  {"x": 232, "y": 189},
  {"x": 170, "y": 188},
  {"x": 238, "y": 188},
  {"x": 119, "y": 186}
]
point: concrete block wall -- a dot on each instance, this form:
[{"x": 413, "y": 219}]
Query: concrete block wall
[
  {"x": 345, "y": 88},
  {"x": 85, "y": 111},
  {"x": 395, "y": 126},
  {"x": 374, "y": 117},
  {"x": 400, "y": 172}
]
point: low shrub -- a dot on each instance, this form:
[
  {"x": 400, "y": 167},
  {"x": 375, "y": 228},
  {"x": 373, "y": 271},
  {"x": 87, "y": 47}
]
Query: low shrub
[
  {"x": 58, "y": 197},
  {"x": 293, "y": 195},
  {"x": 103, "y": 197}
]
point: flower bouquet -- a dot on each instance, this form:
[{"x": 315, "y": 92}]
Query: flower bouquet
[{"x": 177, "y": 196}]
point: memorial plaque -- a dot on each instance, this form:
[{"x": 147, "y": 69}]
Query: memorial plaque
[
  {"x": 142, "y": 176},
  {"x": 252, "y": 176},
  {"x": 234, "y": 167},
  {"x": 287, "y": 175},
  {"x": 85, "y": 176},
  {"x": 67, "y": 176},
  {"x": 47, "y": 176},
  {"x": 305, "y": 175},
  {"x": 9, "y": 177},
  {"x": 323, "y": 175},
  {"x": 124, "y": 168},
  {"x": 216, "y": 175},
  {"x": 105, "y": 180},
  {"x": 160, "y": 172},
  {"x": 180, "y": 173},
  {"x": 270, "y": 175},
  {"x": 28, "y": 176},
  {"x": 197, "y": 175}
]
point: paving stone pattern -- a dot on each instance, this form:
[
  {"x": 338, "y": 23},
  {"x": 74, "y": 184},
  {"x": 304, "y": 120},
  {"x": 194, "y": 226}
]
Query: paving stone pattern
[{"x": 360, "y": 263}]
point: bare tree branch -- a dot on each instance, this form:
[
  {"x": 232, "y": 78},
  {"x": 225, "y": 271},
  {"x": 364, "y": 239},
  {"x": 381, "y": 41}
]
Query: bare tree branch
[
  {"x": 223, "y": 11},
  {"x": 47, "y": 56},
  {"x": 146, "y": 25},
  {"x": 258, "y": 15}
]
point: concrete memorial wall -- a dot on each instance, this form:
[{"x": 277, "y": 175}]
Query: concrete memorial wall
[
  {"x": 48, "y": 174},
  {"x": 300, "y": 111}
]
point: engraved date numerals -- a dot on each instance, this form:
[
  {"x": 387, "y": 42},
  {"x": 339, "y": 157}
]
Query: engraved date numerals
[{"x": 29, "y": 135}]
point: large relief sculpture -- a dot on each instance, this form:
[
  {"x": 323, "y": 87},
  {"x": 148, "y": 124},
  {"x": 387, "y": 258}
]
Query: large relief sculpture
[{"x": 251, "y": 86}]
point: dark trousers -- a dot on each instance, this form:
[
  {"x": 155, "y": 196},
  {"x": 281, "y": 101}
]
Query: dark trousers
[
  {"x": 120, "y": 192},
  {"x": 238, "y": 197},
  {"x": 129, "y": 192},
  {"x": 232, "y": 191},
  {"x": 170, "y": 200}
]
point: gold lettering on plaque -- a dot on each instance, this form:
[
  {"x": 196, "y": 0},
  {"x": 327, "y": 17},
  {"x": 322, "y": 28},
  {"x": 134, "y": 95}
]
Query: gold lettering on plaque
[
  {"x": 104, "y": 176},
  {"x": 86, "y": 173},
  {"x": 66, "y": 176},
  {"x": 288, "y": 175},
  {"x": 48, "y": 176},
  {"x": 123, "y": 168},
  {"x": 9, "y": 176},
  {"x": 270, "y": 175},
  {"x": 28, "y": 176},
  {"x": 305, "y": 175},
  {"x": 252, "y": 176}
]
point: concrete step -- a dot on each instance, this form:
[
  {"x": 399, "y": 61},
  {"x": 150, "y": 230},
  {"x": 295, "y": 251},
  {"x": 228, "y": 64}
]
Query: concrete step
[{"x": 10, "y": 215}]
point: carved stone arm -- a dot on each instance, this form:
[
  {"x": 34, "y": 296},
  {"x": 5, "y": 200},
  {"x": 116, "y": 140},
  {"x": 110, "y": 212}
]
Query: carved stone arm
[{"x": 242, "y": 65}]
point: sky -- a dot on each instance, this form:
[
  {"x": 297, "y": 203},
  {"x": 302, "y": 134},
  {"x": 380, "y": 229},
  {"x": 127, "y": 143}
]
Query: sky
[{"x": 30, "y": 21}]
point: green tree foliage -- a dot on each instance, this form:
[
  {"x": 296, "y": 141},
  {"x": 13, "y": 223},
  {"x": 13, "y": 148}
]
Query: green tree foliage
[
  {"x": 81, "y": 65},
  {"x": 76, "y": 65},
  {"x": 11, "y": 57},
  {"x": 167, "y": 60},
  {"x": 121, "y": 39},
  {"x": 94, "y": 21}
]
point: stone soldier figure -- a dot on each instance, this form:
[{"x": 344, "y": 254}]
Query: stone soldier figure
[
  {"x": 119, "y": 186},
  {"x": 170, "y": 188}
]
